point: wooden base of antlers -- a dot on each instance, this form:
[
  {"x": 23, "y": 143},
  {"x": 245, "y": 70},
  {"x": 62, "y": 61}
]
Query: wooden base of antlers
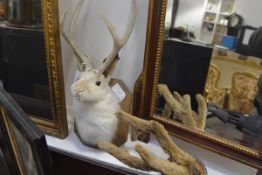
[
  {"x": 181, "y": 106},
  {"x": 179, "y": 163}
]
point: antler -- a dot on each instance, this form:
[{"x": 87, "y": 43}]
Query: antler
[
  {"x": 179, "y": 162},
  {"x": 181, "y": 106},
  {"x": 118, "y": 42},
  {"x": 82, "y": 57},
  {"x": 110, "y": 61}
]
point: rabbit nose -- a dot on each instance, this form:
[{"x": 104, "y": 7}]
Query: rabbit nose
[
  {"x": 80, "y": 90},
  {"x": 76, "y": 90}
]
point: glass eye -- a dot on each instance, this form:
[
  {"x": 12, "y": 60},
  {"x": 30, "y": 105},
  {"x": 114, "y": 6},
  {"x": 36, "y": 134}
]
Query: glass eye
[{"x": 98, "y": 83}]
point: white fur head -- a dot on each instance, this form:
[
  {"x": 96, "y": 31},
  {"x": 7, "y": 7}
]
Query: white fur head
[{"x": 91, "y": 87}]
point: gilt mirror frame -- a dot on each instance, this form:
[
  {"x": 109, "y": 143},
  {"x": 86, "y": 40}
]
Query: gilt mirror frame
[
  {"x": 58, "y": 125},
  {"x": 145, "y": 95}
]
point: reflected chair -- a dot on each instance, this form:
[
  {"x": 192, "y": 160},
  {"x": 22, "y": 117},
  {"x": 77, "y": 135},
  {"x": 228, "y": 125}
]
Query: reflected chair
[
  {"x": 243, "y": 91},
  {"x": 213, "y": 94}
]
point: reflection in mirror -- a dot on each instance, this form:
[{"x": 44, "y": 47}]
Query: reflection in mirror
[
  {"x": 232, "y": 92},
  {"x": 23, "y": 60},
  {"x": 213, "y": 48}
]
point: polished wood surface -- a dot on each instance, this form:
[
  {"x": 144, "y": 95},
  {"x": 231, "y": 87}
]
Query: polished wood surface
[{"x": 229, "y": 131}]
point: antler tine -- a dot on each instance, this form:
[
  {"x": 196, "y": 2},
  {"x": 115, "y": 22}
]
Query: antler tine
[
  {"x": 81, "y": 56},
  {"x": 118, "y": 42},
  {"x": 74, "y": 18}
]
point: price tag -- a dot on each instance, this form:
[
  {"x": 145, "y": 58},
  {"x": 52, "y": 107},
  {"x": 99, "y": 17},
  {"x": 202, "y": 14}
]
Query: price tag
[
  {"x": 120, "y": 93},
  {"x": 77, "y": 76}
]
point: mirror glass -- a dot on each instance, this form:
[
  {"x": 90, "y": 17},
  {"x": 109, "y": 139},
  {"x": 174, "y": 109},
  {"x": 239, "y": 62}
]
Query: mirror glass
[
  {"x": 23, "y": 63},
  {"x": 213, "y": 48}
]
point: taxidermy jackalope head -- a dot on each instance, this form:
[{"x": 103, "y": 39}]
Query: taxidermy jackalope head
[
  {"x": 99, "y": 121},
  {"x": 95, "y": 104}
]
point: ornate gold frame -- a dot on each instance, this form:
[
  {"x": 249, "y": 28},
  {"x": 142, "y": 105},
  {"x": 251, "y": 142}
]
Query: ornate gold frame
[
  {"x": 58, "y": 126},
  {"x": 12, "y": 141},
  {"x": 148, "y": 80}
]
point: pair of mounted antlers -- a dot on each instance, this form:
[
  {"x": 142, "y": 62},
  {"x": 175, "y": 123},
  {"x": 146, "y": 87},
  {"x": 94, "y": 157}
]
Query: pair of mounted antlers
[{"x": 179, "y": 162}]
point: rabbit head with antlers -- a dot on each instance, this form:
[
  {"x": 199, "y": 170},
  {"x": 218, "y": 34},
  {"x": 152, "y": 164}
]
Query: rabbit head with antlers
[{"x": 95, "y": 104}]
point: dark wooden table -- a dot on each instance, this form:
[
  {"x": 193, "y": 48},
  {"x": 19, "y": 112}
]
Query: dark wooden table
[{"x": 68, "y": 165}]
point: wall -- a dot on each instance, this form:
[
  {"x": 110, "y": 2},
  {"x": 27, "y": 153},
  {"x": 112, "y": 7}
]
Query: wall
[
  {"x": 250, "y": 11},
  {"x": 190, "y": 13},
  {"x": 93, "y": 38}
]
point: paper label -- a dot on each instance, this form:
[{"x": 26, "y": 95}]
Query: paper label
[
  {"x": 120, "y": 93},
  {"x": 77, "y": 76}
]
